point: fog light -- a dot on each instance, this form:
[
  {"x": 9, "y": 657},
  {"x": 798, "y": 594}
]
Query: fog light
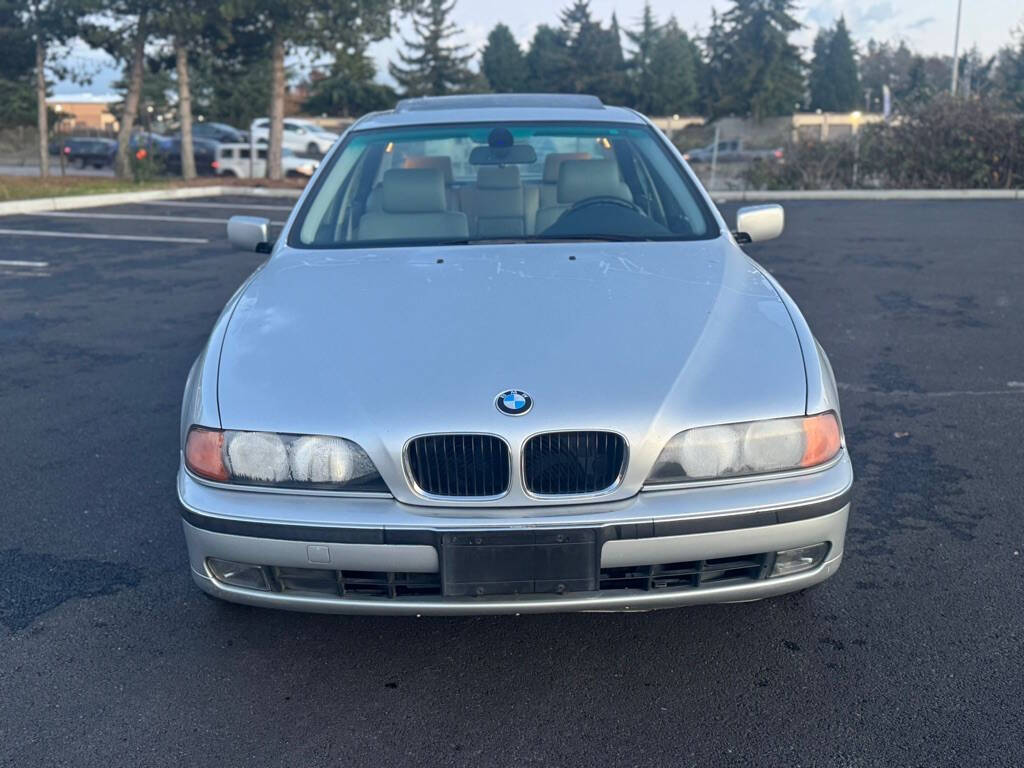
[
  {"x": 239, "y": 574},
  {"x": 798, "y": 560}
]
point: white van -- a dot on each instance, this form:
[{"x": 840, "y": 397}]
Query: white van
[{"x": 238, "y": 160}]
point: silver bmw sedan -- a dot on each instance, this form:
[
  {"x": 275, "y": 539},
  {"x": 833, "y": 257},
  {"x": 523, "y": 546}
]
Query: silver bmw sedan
[{"x": 507, "y": 357}]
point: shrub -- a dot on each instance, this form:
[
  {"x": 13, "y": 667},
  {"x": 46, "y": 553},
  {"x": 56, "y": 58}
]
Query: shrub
[
  {"x": 950, "y": 144},
  {"x": 807, "y": 165},
  {"x": 146, "y": 164},
  {"x": 944, "y": 144}
]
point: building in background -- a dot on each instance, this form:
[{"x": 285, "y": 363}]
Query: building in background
[{"x": 84, "y": 111}]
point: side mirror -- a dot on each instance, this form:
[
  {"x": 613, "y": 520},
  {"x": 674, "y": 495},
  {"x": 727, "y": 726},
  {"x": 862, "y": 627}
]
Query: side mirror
[
  {"x": 249, "y": 233},
  {"x": 756, "y": 223}
]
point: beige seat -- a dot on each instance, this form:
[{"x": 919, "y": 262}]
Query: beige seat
[
  {"x": 413, "y": 207},
  {"x": 442, "y": 162},
  {"x": 549, "y": 181},
  {"x": 580, "y": 179},
  {"x": 495, "y": 205}
]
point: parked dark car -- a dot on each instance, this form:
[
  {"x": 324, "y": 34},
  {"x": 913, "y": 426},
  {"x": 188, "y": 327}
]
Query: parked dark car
[
  {"x": 85, "y": 151},
  {"x": 154, "y": 142},
  {"x": 731, "y": 151},
  {"x": 217, "y": 132},
  {"x": 204, "y": 151}
]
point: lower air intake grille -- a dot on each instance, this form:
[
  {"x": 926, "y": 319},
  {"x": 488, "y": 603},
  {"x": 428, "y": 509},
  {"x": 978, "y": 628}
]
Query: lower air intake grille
[
  {"x": 309, "y": 581},
  {"x": 565, "y": 463},
  {"x": 692, "y": 575},
  {"x": 459, "y": 465}
]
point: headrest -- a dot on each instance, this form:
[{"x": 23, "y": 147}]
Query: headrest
[
  {"x": 498, "y": 177},
  {"x": 413, "y": 190},
  {"x": 442, "y": 162},
  {"x": 554, "y": 161},
  {"x": 580, "y": 179}
]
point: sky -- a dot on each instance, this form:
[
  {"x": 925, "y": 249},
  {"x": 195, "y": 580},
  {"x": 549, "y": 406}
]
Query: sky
[{"x": 926, "y": 25}]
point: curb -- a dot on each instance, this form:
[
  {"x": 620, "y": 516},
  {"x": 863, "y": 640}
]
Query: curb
[
  {"x": 70, "y": 202},
  {"x": 868, "y": 194}
]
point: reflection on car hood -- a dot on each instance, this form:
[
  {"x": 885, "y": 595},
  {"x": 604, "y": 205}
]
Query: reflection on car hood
[{"x": 380, "y": 345}]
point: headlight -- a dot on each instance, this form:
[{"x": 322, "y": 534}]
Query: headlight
[
  {"x": 753, "y": 448},
  {"x": 282, "y": 461}
]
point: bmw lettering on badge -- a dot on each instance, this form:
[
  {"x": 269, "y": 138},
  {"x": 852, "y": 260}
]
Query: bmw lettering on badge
[{"x": 514, "y": 402}]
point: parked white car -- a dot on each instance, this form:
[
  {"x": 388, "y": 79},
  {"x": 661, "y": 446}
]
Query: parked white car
[
  {"x": 237, "y": 160},
  {"x": 302, "y": 136}
]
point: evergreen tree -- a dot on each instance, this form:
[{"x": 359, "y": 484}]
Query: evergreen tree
[
  {"x": 644, "y": 40},
  {"x": 502, "y": 62},
  {"x": 884, "y": 65},
  {"x": 673, "y": 72},
  {"x": 820, "y": 83},
  {"x": 434, "y": 65},
  {"x": 349, "y": 89},
  {"x": 1008, "y": 77},
  {"x": 763, "y": 69},
  {"x": 918, "y": 90},
  {"x": 595, "y": 54},
  {"x": 716, "y": 58},
  {"x": 842, "y": 65},
  {"x": 548, "y": 63},
  {"x": 16, "y": 67}
]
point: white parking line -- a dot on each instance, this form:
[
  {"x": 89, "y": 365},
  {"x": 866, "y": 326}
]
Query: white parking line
[
  {"x": 866, "y": 390},
  {"x": 91, "y": 236},
  {"x": 16, "y": 263},
  {"x": 245, "y": 206},
  {"x": 136, "y": 217}
]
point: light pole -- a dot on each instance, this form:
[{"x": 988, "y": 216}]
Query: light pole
[{"x": 956, "y": 48}]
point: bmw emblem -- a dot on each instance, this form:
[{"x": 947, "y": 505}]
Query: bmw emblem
[{"x": 514, "y": 402}]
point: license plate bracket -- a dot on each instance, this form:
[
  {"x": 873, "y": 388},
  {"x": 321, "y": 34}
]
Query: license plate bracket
[{"x": 482, "y": 563}]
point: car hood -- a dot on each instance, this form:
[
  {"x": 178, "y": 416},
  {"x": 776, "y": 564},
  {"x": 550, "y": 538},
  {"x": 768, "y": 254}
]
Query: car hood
[{"x": 379, "y": 345}]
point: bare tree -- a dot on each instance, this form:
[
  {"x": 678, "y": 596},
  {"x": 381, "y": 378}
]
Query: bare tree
[
  {"x": 52, "y": 22},
  {"x": 42, "y": 119},
  {"x": 188, "y": 159},
  {"x": 122, "y": 162}
]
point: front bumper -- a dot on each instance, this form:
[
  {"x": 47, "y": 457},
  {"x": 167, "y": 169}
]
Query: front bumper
[{"x": 695, "y": 527}]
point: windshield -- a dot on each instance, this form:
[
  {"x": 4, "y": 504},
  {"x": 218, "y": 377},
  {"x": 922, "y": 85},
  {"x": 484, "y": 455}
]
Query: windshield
[{"x": 433, "y": 185}]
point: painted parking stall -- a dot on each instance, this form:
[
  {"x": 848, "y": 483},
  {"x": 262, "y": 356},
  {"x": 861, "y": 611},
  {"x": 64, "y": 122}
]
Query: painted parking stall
[{"x": 156, "y": 222}]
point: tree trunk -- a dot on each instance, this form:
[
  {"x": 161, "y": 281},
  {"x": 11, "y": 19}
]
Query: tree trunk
[
  {"x": 188, "y": 159},
  {"x": 276, "y": 108},
  {"x": 41, "y": 118},
  {"x": 122, "y": 165}
]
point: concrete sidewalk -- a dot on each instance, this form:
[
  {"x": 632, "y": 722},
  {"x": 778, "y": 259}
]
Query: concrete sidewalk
[{"x": 71, "y": 202}]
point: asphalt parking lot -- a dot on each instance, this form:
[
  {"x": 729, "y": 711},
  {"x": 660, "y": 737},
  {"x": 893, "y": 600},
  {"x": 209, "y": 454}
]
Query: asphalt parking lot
[{"x": 910, "y": 656}]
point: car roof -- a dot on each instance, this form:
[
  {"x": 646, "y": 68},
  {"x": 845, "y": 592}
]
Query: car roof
[{"x": 488, "y": 108}]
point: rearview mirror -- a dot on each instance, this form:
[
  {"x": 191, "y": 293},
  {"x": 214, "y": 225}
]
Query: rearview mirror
[
  {"x": 757, "y": 223},
  {"x": 517, "y": 154},
  {"x": 249, "y": 233}
]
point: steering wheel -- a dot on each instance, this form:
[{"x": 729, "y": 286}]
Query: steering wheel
[{"x": 587, "y": 202}]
